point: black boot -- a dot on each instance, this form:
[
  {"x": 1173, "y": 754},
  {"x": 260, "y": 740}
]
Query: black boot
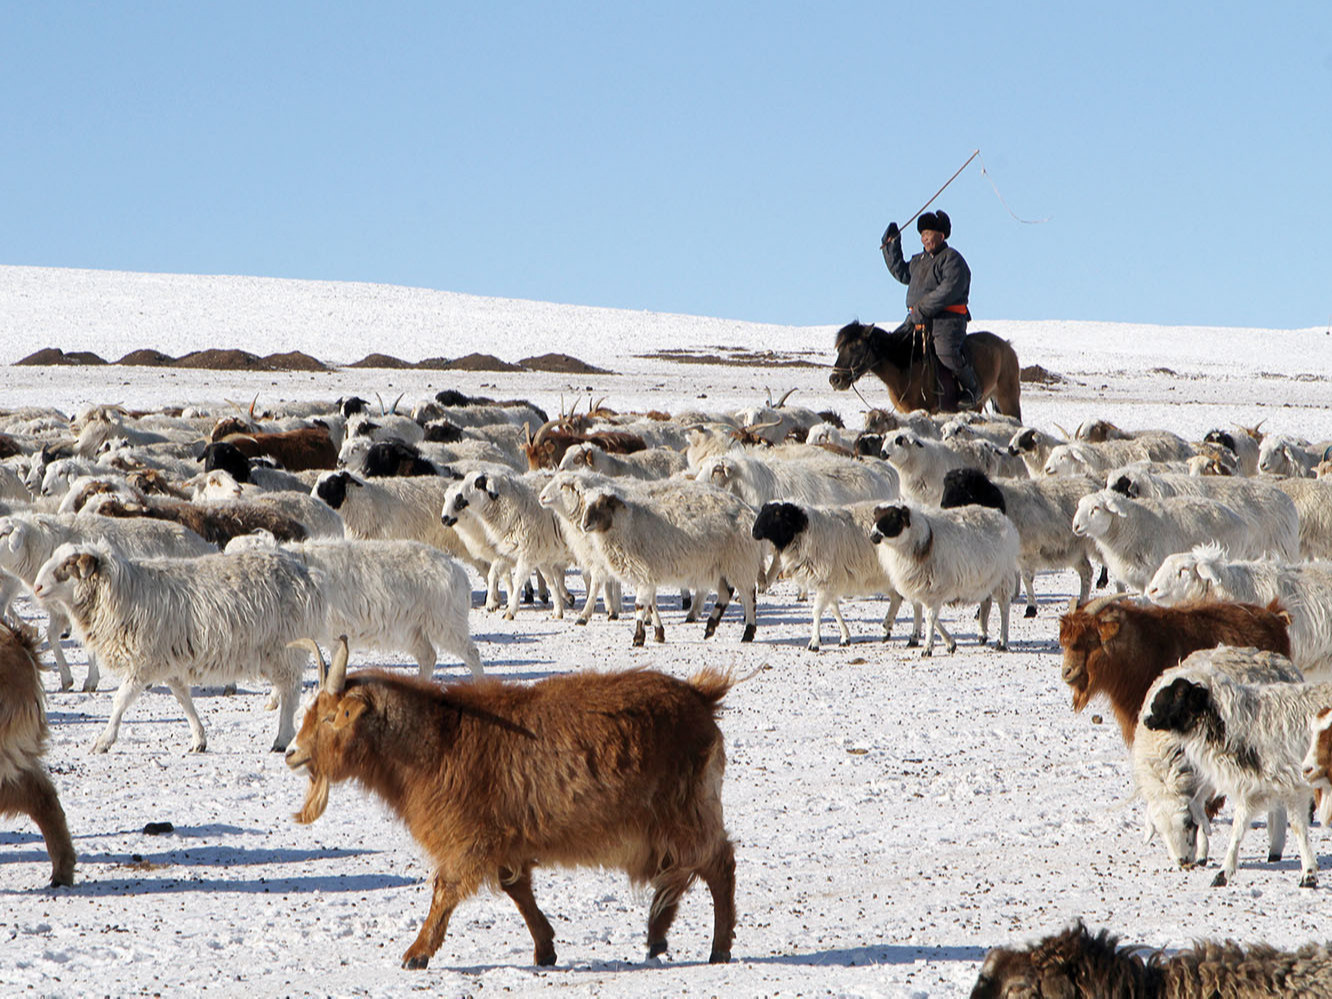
[{"x": 969, "y": 390}]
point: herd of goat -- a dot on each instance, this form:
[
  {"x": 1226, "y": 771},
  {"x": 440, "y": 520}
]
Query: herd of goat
[{"x": 185, "y": 548}]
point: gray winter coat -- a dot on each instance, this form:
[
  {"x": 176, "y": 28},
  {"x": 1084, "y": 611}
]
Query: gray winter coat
[{"x": 933, "y": 280}]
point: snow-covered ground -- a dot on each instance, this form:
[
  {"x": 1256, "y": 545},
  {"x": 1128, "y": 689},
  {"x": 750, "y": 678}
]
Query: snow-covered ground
[{"x": 894, "y": 816}]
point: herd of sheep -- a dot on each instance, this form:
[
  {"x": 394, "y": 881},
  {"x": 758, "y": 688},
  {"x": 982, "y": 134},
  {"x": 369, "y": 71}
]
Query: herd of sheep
[{"x": 186, "y": 548}]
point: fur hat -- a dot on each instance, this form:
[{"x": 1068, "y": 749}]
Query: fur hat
[{"x": 938, "y": 221}]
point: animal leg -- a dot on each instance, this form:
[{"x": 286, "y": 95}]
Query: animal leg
[
  {"x": 1239, "y": 825},
  {"x": 1029, "y": 583},
  {"x": 983, "y": 619},
  {"x": 465, "y": 649},
  {"x": 424, "y": 653},
  {"x": 1005, "y": 609},
  {"x": 816, "y": 621},
  {"x": 890, "y": 618},
  {"x": 841, "y": 622},
  {"x": 56, "y": 624},
  {"x": 718, "y": 607},
  {"x": 543, "y": 589},
  {"x": 493, "y": 585},
  {"x": 640, "y": 630},
  {"x": 182, "y": 692},
  {"x": 521, "y": 570},
  {"x": 561, "y": 595},
  {"x": 443, "y": 901},
  {"x": 669, "y": 887},
  {"x": 1276, "y": 833},
  {"x": 126, "y": 694},
  {"x": 1299, "y": 820},
  {"x": 591, "y": 585},
  {"x": 931, "y": 618},
  {"x": 1084, "y": 580},
  {"x": 614, "y": 597},
  {"x": 916, "y": 621},
  {"x": 749, "y": 601},
  {"x": 519, "y": 888},
  {"x": 94, "y": 674},
  {"x": 32, "y": 793},
  {"x": 658, "y": 629},
  {"x": 719, "y": 876}
]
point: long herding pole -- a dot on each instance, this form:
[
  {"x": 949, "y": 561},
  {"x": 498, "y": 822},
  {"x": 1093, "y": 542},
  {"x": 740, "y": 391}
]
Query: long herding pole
[{"x": 907, "y": 223}]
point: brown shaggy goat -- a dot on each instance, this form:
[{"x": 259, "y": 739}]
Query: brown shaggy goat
[
  {"x": 1118, "y": 648},
  {"x": 215, "y": 522},
  {"x": 618, "y": 770},
  {"x": 25, "y": 788},
  {"x": 296, "y": 450},
  {"x": 547, "y": 446},
  {"x": 1078, "y": 964}
]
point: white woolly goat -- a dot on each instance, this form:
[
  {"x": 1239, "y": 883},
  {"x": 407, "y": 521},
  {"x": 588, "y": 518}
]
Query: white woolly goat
[
  {"x": 1303, "y": 589},
  {"x": 1033, "y": 447},
  {"x": 517, "y": 529},
  {"x": 27, "y": 540},
  {"x": 1135, "y": 536},
  {"x": 215, "y": 619},
  {"x": 1249, "y": 741},
  {"x": 825, "y": 480},
  {"x": 387, "y": 595},
  {"x": 1097, "y": 460},
  {"x": 921, "y": 464},
  {"x": 1313, "y": 503},
  {"x": 402, "y": 508},
  {"x": 1282, "y": 454},
  {"x": 1274, "y": 523},
  {"x": 690, "y": 535},
  {"x": 564, "y": 495},
  {"x": 948, "y": 556},
  {"x": 1174, "y": 792},
  {"x": 828, "y": 550},
  {"x": 652, "y": 463}
]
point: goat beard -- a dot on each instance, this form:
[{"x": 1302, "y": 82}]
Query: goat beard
[{"x": 316, "y": 800}]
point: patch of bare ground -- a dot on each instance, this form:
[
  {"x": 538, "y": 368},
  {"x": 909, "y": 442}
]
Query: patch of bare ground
[
  {"x": 381, "y": 361},
  {"x": 146, "y": 357},
  {"x": 737, "y": 357},
  {"x": 54, "y": 355},
  {"x": 478, "y": 362},
  {"x": 1039, "y": 375},
  {"x": 294, "y": 360},
  {"x": 562, "y": 364}
]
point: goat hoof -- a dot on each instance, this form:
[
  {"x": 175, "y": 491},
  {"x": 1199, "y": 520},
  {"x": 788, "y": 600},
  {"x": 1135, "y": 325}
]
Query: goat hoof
[
  {"x": 1220, "y": 880},
  {"x": 278, "y": 747},
  {"x": 89, "y": 688},
  {"x": 927, "y": 654},
  {"x": 709, "y": 628},
  {"x": 1310, "y": 880},
  {"x": 1029, "y": 612},
  {"x": 1273, "y": 858},
  {"x": 911, "y": 642},
  {"x": 813, "y": 646},
  {"x": 640, "y": 634},
  {"x": 1000, "y": 646},
  {"x": 748, "y": 634},
  {"x": 613, "y": 617},
  {"x": 656, "y": 948},
  {"x": 952, "y": 647},
  {"x": 659, "y": 634},
  {"x": 229, "y": 690},
  {"x": 199, "y": 747},
  {"x": 62, "y": 879},
  {"x": 66, "y": 686},
  {"x": 719, "y": 957},
  {"x": 581, "y": 620},
  {"x": 417, "y": 963}
]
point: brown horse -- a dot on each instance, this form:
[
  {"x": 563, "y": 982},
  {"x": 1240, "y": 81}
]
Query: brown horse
[{"x": 908, "y": 371}]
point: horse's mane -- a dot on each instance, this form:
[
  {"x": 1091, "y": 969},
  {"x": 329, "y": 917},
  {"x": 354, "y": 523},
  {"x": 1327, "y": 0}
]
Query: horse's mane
[{"x": 896, "y": 347}]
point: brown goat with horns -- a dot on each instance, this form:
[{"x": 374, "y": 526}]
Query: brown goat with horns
[{"x": 619, "y": 770}]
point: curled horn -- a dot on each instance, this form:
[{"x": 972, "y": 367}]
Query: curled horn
[
  {"x": 1100, "y": 603},
  {"x": 754, "y": 428},
  {"x": 310, "y": 645},
  {"x": 782, "y": 401},
  {"x": 337, "y": 673},
  {"x": 543, "y": 431}
]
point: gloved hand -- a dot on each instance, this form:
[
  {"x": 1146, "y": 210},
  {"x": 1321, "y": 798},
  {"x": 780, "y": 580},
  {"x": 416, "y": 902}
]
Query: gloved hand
[
  {"x": 890, "y": 234},
  {"x": 915, "y": 317}
]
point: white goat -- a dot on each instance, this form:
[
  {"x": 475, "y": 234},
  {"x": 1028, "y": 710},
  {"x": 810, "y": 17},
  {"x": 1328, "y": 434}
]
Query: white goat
[
  {"x": 949, "y": 556},
  {"x": 564, "y": 495},
  {"x": 27, "y": 540},
  {"x": 828, "y": 550},
  {"x": 1249, "y": 741},
  {"x": 1175, "y": 794},
  {"x": 652, "y": 463},
  {"x": 1135, "y": 536},
  {"x": 215, "y": 619},
  {"x": 1304, "y": 590},
  {"x": 826, "y": 480},
  {"x": 1274, "y": 522},
  {"x": 1282, "y": 454},
  {"x": 921, "y": 464},
  {"x": 318, "y": 518},
  {"x": 387, "y": 595},
  {"x": 1097, "y": 460}
]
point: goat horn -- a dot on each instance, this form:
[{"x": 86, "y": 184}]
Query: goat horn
[
  {"x": 394, "y": 408},
  {"x": 1100, "y": 603},
  {"x": 543, "y": 430},
  {"x": 782, "y": 401},
  {"x": 762, "y": 426},
  {"x": 527, "y": 429},
  {"x": 382, "y": 410},
  {"x": 337, "y": 673},
  {"x": 1067, "y": 435},
  {"x": 312, "y": 646},
  {"x": 599, "y": 403},
  {"x": 768, "y": 395}
]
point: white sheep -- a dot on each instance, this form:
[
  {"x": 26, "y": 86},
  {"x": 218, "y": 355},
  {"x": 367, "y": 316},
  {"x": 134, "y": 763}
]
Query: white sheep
[
  {"x": 692, "y": 535},
  {"x": 214, "y": 619},
  {"x": 1304, "y": 590},
  {"x": 27, "y": 540},
  {"x": 824, "y": 480},
  {"x": 1249, "y": 741},
  {"x": 921, "y": 464},
  {"x": 828, "y": 550},
  {"x": 387, "y": 595},
  {"x": 939, "y": 557},
  {"x": 1096, "y": 460},
  {"x": 1284, "y": 455},
  {"x": 1313, "y": 504},
  {"x": 651, "y": 463},
  {"x": 564, "y": 495},
  {"x": 318, "y": 518},
  {"x": 1174, "y": 792},
  {"x": 1135, "y": 536}
]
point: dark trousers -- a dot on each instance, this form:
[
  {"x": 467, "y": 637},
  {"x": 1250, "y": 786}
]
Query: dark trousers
[{"x": 948, "y": 333}]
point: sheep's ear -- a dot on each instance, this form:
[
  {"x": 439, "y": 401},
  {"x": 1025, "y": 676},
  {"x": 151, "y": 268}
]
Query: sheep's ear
[
  {"x": 85, "y": 565},
  {"x": 349, "y": 709},
  {"x": 1115, "y": 504},
  {"x": 1207, "y": 572}
]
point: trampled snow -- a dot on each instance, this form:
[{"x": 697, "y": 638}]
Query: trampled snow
[{"x": 893, "y": 816}]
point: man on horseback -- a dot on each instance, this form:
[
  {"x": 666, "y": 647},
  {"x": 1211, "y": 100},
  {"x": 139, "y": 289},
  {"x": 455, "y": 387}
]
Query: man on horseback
[{"x": 938, "y": 284}]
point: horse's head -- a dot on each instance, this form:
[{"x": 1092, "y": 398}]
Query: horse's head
[{"x": 854, "y": 355}]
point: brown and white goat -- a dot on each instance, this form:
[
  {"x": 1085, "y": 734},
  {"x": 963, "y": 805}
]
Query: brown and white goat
[
  {"x": 546, "y": 447},
  {"x": 215, "y": 522},
  {"x": 1118, "y": 648},
  {"x": 25, "y": 787},
  {"x": 297, "y": 450},
  {"x": 617, "y": 770}
]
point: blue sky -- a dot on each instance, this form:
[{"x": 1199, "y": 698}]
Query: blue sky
[{"x": 733, "y": 160}]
